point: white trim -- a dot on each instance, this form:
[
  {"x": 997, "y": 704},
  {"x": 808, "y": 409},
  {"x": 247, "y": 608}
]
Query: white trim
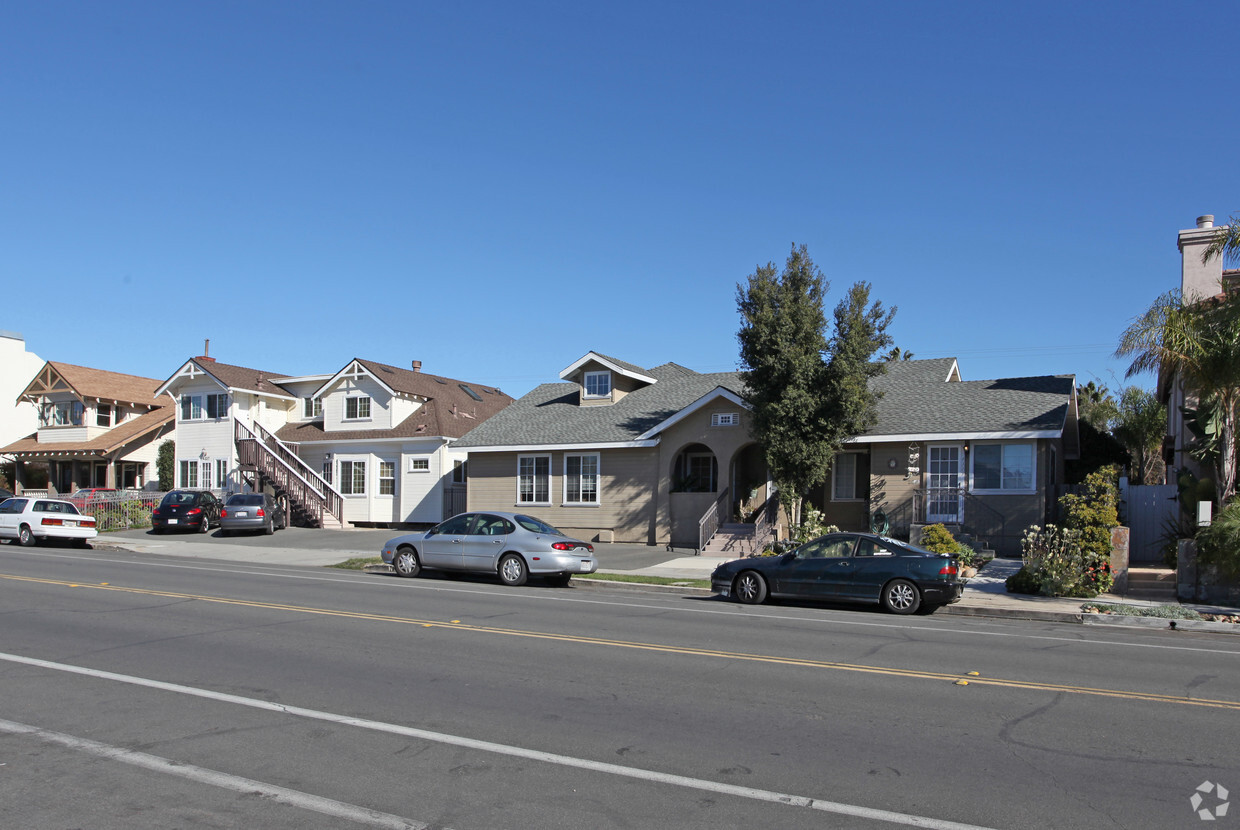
[
  {"x": 361, "y": 370},
  {"x": 955, "y": 436},
  {"x": 598, "y": 480},
  {"x": 550, "y": 476},
  {"x": 1000, "y": 491},
  {"x": 717, "y": 392},
  {"x": 835, "y": 475},
  {"x": 187, "y": 372},
  {"x": 545, "y": 448},
  {"x": 597, "y": 358},
  {"x": 595, "y": 396}
]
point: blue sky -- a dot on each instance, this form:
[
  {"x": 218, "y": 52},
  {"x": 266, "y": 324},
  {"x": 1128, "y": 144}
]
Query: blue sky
[{"x": 497, "y": 188}]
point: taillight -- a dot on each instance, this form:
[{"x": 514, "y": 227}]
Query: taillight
[
  {"x": 947, "y": 570},
  {"x": 53, "y": 522},
  {"x": 87, "y": 522},
  {"x": 562, "y": 546},
  {"x": 155, "y": 512},
  {"x": 223, "y": 513},
  {"x": 193, "y": 511},
  {"x": 260, "y": 513}
]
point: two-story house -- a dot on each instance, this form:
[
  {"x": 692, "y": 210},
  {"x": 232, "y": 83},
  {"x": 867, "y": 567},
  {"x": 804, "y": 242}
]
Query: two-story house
[{"x": 96, "y": 428}]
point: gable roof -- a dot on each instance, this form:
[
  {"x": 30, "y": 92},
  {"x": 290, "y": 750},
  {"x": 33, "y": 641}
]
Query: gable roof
[
  {"x": 452, "y": 407},
  {"x": 114, "y": 439},
  {"x": 228, "y": 376},
  {"x": 631, "y": 370},
  {"x": 98, "y": 384},
  {"x": 550, "y": 414}
]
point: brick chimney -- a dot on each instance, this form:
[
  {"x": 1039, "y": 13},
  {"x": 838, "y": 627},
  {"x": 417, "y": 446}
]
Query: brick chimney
[
  {"x": 206, "y": 352},
  {"x": 1198, "y": 280}
]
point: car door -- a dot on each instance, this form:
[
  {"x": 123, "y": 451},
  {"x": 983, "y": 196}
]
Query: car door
[
  {"x": 873, "y": 565},
  {"x": 441, "y": 546},
  {"x": 484, "y": 542},
  {"x": 821, "y": 568},
  {"x": 10, "y": 516}
]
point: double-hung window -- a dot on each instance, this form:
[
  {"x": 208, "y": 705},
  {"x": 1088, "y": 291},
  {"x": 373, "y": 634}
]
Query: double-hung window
[
  {"x": 197, "y": 407},
  {"x": 312, "y": 407},
  {"x": 191, "y": 407},
  {"x": 581, "y": 479},
  {"x": 221, "y": 474},
  {"x": 103, "y": 415},
  {"x": 387, "y": 478},
  {"x": 217, "y": 405},
  {"x": 356, "y": 407},
  {"x": 189, "y": 474},
  {"x": 534, "y": 479},
  {"x": 598, "y": 384},
  {"x": 353, "y": 478},
  {"x": 1003, "y": 467},
  {"x": 850, "y": 477}
]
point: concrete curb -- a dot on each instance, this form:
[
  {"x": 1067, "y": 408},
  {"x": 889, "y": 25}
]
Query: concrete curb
[
  {"x": 1163, "y": 623},
  {"x": 959, "y": 610}
]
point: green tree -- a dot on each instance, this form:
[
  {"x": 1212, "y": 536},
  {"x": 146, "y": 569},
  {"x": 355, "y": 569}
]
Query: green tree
[
  {"x": 165, "y": 464},
  {"x": 1141, "y": 426},
  {"x": 805, "y": 404},
  {"x": 1226, "y": 243},
  {"x": 1096, "y": 406},
  {"x": 1200, "y": 344}
]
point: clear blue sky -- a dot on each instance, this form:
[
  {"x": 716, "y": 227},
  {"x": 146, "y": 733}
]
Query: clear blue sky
[{"x": 497, "y": 188}]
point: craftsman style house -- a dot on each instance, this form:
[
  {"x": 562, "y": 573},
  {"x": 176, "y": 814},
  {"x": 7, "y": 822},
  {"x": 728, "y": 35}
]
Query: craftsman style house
[
  {"x": 664, "y": 455},
  {"x": 96, "y": 428},
  {"x": 370, "y": 444}
]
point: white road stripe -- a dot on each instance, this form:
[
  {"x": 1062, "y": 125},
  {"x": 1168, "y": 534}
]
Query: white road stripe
[
  {"x": 294, "y": 798},
  {"x": 513, "y": 751}
]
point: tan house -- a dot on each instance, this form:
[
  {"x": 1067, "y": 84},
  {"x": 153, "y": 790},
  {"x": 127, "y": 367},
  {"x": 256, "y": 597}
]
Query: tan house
[
  {"x": 663, "y": 456},
  {"x": 96, "y": 429}
]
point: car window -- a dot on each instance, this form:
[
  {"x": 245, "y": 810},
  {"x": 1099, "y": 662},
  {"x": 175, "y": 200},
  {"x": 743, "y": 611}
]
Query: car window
[
  {"x": 537, "y": 526},
  {"x": 457, "y": 525},
  {"x": 898, "y": 546},
  {"x": 48, "y": 507},
  {"x": 870, "y": 547},
  {"x": 485, "y": 525},
  {"x": 179, "y": 498},
  {"x": 13, "y": 505},
  {"x": 828, "y": 547}
]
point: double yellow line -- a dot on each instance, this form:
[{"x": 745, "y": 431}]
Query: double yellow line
[{"x": 457, "y": 625}]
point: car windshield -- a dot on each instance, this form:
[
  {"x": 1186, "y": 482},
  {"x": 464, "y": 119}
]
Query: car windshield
[
  {"x": 179, "y": 498},
  {"x": 80, "y": 494},
  {"x": 244, "y": 499},
  {"x": 537, "y": 526}
]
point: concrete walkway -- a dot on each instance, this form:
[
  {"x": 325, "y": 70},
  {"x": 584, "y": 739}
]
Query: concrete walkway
[{"x": 985, "y": 595}]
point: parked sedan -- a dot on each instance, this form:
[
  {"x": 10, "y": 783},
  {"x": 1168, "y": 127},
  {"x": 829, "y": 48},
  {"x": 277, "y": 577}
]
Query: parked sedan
[
  {"x": 190, "y": 509},
  {"x": 37, "y": 520},
  {"x": 847, "y": 567},
  {"x": 252, "y": 511},
  {"x": 511, "y": 545}
]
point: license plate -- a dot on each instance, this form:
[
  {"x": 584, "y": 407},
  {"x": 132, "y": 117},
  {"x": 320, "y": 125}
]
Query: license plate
[
  {"x": 241, "y": 514},
  {"x": 585, "y": 566},
  {"x": 172, "y": 521}
]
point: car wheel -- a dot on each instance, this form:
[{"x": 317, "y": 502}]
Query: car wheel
[
  {"x": 270, "y": 527},
  {"x": 901, "y": 597},
  {"x": 750, "y": 588},
  {"x": 559, "y": 580},
  {"x": 24, "y": 537},
  {"x": 205, "y": 525},
  {"x": 512, "y": 569},
  {"x": 406, "y": 563}
]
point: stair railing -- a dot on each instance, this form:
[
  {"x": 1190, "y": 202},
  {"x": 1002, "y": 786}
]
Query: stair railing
[
  {"x": 312, "y": 493},
  {"x": 709, "y": 523}
]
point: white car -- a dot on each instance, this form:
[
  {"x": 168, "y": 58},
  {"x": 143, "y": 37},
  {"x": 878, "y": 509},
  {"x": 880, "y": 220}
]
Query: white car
[{"x": 36, "y": 520}]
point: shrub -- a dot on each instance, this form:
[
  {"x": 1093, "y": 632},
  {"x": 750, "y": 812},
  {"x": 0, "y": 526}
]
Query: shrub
[
  {"x": 1023, "y": 582},
  {"x": 1218, "y": 544},
  {"x": 937, "y": 538},
  {"x": 1060, "y": 565},
  {"x": 1093, "y": 515},
  {"x": 811, "y": 527}
]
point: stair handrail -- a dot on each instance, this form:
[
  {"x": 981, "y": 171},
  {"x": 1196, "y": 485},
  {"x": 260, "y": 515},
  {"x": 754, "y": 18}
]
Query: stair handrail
[
  {"x": 764, "y": 522},
  {"x": 331, "y": 501},
  {"x": 283, "y": 450},
  {"x": 709, "y": 523}
]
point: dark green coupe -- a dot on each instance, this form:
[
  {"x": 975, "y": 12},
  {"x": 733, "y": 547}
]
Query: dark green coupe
[{"x": 846, "y": 567}]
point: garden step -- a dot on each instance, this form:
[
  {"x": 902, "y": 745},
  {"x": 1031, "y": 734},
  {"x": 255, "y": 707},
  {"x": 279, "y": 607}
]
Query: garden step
[{"x": 1158, "y": 584}]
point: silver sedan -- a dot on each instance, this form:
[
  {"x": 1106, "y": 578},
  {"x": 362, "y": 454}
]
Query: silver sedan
[{"x": 510, "y": 545}]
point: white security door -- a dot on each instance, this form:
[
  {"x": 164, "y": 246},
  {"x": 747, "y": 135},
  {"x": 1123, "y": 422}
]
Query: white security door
[{"x": 943, "y": 497}]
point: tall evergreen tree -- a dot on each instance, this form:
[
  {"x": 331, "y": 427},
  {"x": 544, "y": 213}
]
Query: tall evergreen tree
[{"x": 807, "y": 394}]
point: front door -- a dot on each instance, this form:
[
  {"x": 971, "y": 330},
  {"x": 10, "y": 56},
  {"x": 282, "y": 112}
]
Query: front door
[{"x": 943, "y": 485}]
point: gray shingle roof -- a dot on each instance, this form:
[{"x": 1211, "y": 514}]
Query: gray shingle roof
[{"x": 912, "y": 405}]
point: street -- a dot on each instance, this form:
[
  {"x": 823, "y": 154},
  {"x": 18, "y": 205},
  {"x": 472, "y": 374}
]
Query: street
[{"x": 142, "y": 690}]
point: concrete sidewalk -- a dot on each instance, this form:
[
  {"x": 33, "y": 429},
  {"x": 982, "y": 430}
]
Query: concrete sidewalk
[{"x": 985, "y": 594}]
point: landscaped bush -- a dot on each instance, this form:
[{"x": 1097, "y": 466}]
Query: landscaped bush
[
  {"x": 811, "y": 527},
  {"x": 1060, "y": 566},
  {"x": 1023, "y": 582},
  {"x": 1218, "y": 544},
  {"x": 1093, "y": 515},
  {"x": 937, "y": 538}
]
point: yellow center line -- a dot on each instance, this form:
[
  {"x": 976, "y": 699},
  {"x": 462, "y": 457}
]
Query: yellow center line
[{"x": 803, "y": 662}]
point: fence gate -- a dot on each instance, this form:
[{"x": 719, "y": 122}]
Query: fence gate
[{"x": 1150, "y": 509}]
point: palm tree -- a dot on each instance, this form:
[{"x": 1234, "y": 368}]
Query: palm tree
[
  {"x": 1226, "y": 243},
  {"x": 1199, "y": 343}
]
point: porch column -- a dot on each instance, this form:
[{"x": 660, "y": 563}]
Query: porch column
[
  {"x": 110, "y": 475},
  {"x": 19, "y": 475}
]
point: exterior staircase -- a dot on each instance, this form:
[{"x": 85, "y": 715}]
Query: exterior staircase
[
  {"x": 733, "y": 541},
  {"x": 265, "y": 459},
  {"x": 1155, "y": 584}
]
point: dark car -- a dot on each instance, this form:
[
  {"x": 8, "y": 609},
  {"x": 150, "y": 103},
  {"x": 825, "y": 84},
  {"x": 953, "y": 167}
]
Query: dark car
[
  {"x": 252, "y": 511},
  {"x": 186, "y": 509},
  {"x": 846, "y": 567},
  {"x": 6, "y": 494}
]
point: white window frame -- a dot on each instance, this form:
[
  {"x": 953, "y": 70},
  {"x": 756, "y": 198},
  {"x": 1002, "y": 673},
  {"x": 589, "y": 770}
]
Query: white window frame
[
  {"x": 725, "y": 419},
  {"x": 1004, "y": 446},
  {"x": 533, "y": 459},
  {"x": 580, "y": 477},
  {"x": 419, "y": 464},
  {"x": 312, "y": 408},
  {"x": 219, "y": 402},
  {"x": 844, "y": 471},
  {"x": 105, "y": 415},
  {"x": 596, "y": 376},
  {"x": 221, "y": 474},
  {"x": 185, "y": 469},
  {"x": 387, "y": 478},
  {"x": 354, "y": 485},
  {"x": 459, "y": 472},
  {"x": 357, "y": 416}
]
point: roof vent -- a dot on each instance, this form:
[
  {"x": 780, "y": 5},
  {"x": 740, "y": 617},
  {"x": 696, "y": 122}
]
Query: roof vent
[
  {"x": 417, "y": 365},
  {"x": 1206, "y": 221}
]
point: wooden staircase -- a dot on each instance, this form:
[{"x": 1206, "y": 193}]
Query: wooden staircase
[
  {"x": 1154, "y": 584},
  {"x": 312, "y": 501}
]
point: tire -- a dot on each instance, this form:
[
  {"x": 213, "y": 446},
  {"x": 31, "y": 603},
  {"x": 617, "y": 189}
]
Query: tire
[
  {"x": 512, "y": 570},
  {"x": 270, "y": 527},
  {"x": 750, "y": 588},
  {"x": 25, "y": 537},
  {"x": 559, "y": 580},
  {"x": 406, "y": 562},
  {"x": 901, "y": 597},
  {"x": 205, "y": 526}
]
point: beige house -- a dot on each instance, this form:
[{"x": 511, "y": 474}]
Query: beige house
[{"x": 96, "y": 428}]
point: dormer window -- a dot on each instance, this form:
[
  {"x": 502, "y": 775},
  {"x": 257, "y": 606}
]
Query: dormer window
[
  {"x": 356, "y": 408},
  {"x": 103, "y": 415},
  {"x": 598, "y": 384},
  {"x": 313, "y": 407}
]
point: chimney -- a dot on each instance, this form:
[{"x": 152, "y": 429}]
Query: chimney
[
  {"x": 206, "y": 352},
  {"x": 1199, "y": 280},
  {"x": 417, "y": 365}
]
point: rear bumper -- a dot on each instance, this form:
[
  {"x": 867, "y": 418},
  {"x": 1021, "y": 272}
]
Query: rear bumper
[
  {"x": 942, "y": 593},
  {"x": 562, "y": 564}
]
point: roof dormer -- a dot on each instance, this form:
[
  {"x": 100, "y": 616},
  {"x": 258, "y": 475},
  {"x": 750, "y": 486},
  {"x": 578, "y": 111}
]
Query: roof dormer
[{"x": 603, "y": 380}]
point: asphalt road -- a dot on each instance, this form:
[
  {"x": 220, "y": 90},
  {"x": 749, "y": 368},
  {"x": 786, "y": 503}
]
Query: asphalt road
[{"x": 139, "y": 690}]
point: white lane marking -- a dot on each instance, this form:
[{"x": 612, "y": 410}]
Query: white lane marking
[
  {"x": 282, "y": 795},
  {"x": 734, "y": 611},
  {"x": 512, "y": 751}
]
